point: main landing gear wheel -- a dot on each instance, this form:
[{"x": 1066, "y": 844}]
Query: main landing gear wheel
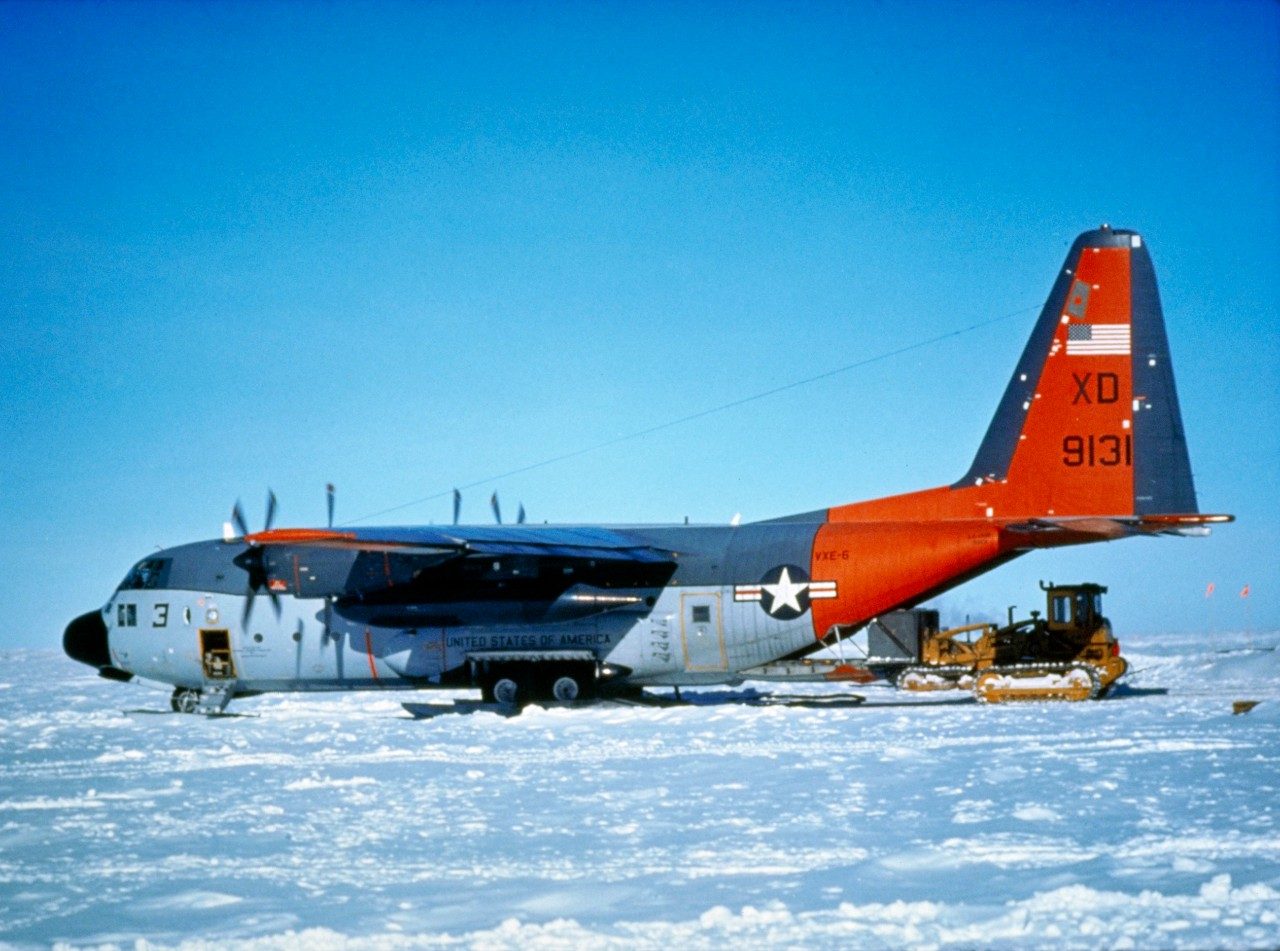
[
  {"x": 519, "y": 683},
  {"x": 565, "y": 689},
  {"x": 506, "y": 690},
  {"x": 184, "y": 700}
]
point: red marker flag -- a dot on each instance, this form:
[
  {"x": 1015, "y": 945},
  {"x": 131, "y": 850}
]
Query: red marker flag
[
  {"x": 1208, "y": 592},
  {"x": 1244, "y": 592}
]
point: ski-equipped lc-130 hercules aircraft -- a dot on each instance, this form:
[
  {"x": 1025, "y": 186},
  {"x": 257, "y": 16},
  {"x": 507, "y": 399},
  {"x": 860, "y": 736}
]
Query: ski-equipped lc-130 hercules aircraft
[{"x": 1086, "y": 445}]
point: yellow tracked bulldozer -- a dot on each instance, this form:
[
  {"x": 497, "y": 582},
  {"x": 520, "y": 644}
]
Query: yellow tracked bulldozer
[{"x": 1069, "y": 654}]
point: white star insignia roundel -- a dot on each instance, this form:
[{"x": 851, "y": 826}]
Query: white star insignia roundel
[{"x": 785, "y": 592}]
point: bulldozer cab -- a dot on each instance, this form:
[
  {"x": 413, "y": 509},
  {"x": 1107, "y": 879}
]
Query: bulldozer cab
[{"x": 1074, "y": 607}]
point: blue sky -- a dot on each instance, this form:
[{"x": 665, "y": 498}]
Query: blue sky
[{"x": 403, "y": 247}]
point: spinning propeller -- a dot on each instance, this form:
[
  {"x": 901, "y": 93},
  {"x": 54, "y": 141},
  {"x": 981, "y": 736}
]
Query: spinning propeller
[
  {"x": 254, "y": 562},
  {"x": 253, "y": 559}
]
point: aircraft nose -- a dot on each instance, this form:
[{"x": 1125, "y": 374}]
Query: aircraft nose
[{"x": 85, "y": 640}]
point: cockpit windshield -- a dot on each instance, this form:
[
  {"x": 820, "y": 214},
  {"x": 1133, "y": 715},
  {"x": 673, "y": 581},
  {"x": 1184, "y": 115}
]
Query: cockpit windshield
[{"x": 146, "y": 574}]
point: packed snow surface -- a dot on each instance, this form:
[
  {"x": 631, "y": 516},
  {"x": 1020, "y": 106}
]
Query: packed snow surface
[{"x": 1149, "y": 819}]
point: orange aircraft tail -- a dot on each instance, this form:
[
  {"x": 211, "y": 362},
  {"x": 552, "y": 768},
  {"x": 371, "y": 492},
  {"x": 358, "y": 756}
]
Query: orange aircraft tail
[
  {"x": 1089, "y": 425},
  {"x": 1086, "y": 445}
]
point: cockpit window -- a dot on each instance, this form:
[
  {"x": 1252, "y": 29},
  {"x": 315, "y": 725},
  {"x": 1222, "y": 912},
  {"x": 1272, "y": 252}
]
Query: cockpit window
[{"x": 149, "y": 573}]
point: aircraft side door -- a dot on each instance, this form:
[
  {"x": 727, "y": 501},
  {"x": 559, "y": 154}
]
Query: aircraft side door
[
  {"x": 702, "y": 631},
  {"x": 215, "y": 654}
]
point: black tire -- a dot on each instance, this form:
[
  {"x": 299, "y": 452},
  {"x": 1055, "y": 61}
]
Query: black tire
[
  {"x": 509, "y": 691},
  {"x": 566, "y": 688},
  {"x": 184, "y": 700},
  {"x": 583, "y": 677},
  {"x": 507, "y": 679}
]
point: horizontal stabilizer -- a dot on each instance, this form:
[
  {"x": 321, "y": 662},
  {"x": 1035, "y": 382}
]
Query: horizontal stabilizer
[{"x": 1049, "y": 532}]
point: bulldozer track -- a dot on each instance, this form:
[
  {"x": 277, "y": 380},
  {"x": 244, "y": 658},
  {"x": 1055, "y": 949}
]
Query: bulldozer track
[{"x": 1001, "y": 684}]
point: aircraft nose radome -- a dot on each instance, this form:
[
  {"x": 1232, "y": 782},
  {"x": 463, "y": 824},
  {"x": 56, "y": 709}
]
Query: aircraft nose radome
[{"x": 85, "y": 640}]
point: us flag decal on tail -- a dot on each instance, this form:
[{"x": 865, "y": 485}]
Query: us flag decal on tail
[{"x": 1095, "y": 340}]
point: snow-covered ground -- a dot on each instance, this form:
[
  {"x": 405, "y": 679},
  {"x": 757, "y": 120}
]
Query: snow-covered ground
[{"x": 1150, "y": 819}]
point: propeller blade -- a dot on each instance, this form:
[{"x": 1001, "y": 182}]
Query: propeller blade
[
  {"x": 271, "y": 510},
  {"x": 248, "y": 607},
  {"x": 497, "y": 509},
  {"x": 457, "y": 505},
  {"x": 237, "y": 519},
  {"x": 328, "y": 495},
  {"x": 275, "y": 602},
  {"x": 520, "y": 515}
]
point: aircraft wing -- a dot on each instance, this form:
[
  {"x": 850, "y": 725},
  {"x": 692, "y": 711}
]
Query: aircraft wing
[
  {"x": 534, "y": 541},
  {"x": 430, "y": 576}
]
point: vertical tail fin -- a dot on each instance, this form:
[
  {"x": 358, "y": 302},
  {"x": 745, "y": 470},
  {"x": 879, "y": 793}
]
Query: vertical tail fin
[{"x": 1090, "y": 424}]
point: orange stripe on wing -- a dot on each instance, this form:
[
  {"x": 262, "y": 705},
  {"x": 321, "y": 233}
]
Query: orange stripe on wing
[
  {"x": 368, "y": 649},
  {"x": 295, "y": 536}
]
